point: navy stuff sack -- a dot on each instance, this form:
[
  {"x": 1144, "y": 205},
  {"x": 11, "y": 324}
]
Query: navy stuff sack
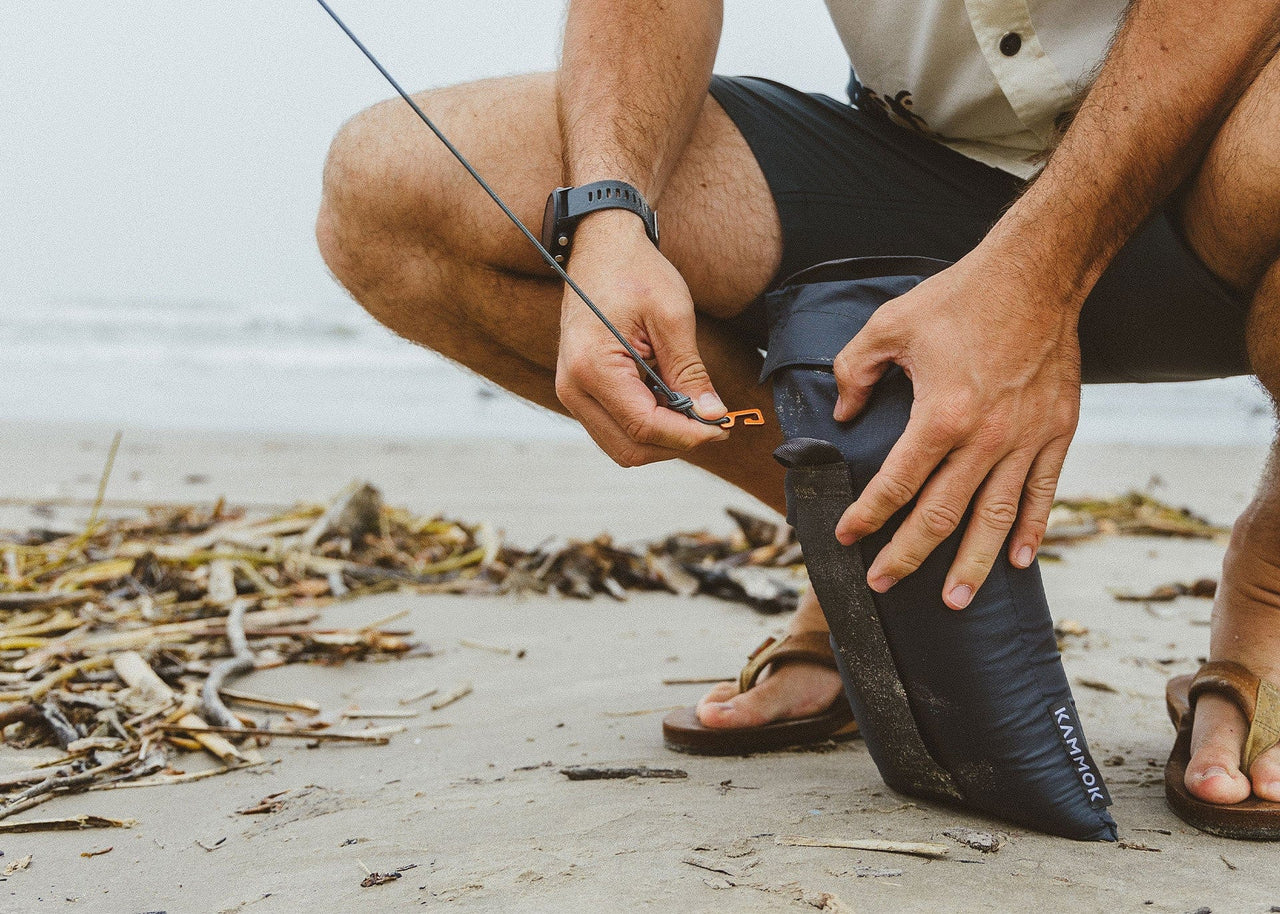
[{"x": 969, "y": 707}]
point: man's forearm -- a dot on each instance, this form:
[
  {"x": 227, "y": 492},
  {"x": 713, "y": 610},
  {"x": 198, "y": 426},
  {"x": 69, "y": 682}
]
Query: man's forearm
[
  {"x": 633, "y": 80},
  {"x": 1173, "y": 74}
]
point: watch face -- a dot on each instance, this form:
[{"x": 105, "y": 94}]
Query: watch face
[
  {"x": 550, "y": 215},
  {"x": 549, "y": 220}
]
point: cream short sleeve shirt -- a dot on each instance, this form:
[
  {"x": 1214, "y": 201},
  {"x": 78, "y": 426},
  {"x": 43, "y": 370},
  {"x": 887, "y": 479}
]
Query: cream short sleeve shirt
[{"x": 985, "y": 77}]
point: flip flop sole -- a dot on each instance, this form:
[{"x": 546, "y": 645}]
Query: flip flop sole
[
  {"x": 1250, "y": 820},
  {"x": 683, "y": 732}
]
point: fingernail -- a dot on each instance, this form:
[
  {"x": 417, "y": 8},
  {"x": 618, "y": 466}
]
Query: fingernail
[
  {"x": 1214, "y": 772},
  {"x": 710, "y": 405},
  {"x": 961, "y": 594},
  {"x": 1024, "y": 556},
  {"x": 1269, "y": 790},
  {"x": 722, "y": 705},
  {"x": 881, "y": 583}
]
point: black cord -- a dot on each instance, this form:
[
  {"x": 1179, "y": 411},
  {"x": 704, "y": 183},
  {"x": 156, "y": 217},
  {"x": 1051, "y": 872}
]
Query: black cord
[{"x": 675, "y": 400}]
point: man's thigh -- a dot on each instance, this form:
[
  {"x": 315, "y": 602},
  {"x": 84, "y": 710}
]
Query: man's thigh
[
  {"x": 719, "y": 226},
  {"x": 849, "y": 183}
]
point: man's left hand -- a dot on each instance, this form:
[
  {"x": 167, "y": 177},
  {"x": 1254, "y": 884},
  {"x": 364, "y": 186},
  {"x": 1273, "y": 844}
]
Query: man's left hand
[{"x": 995, "y": 364}]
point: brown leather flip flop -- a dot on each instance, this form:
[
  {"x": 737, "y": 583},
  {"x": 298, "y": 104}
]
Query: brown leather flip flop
[
  {"x": 683, "y": 731},
  {"x": 1253, "y": 819}
]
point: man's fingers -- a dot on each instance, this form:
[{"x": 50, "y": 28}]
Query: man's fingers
[
  {"x": 611, "y": 438},
  {"x": 1037, "y": 502},
  {"x": 994, "y": 511},
  {"x": 936, "y": 515},
  {"x": 613, "y": 383},
  {"x": 858, "y": 367},
  {"x": 675, "y": 345},
  {"x": 911, "y": 461}
]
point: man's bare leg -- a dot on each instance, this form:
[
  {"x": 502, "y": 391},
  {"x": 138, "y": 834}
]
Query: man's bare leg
[
  {"x": 1232, "y": 218},
  {"x": 426, "y": 252}
]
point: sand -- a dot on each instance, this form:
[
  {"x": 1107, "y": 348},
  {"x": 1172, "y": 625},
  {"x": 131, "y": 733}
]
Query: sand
[{"x": 479, "y": 808}]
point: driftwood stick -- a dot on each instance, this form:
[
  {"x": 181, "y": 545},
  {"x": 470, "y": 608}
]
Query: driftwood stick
[
  {"x": 24, "y": 805},
  {"x": 240, "y": 662},
  {"x": 55, "y": 784},
  {"x": 63, "y": 730},
  {"x": 593, "y": 773},
  {"x": 19, "y": 778}
]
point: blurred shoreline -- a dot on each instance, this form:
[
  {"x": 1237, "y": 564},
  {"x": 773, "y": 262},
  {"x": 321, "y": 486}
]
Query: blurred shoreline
[
  {"x": 533, "y": 489},
  {"x": 326, "y": 367}
]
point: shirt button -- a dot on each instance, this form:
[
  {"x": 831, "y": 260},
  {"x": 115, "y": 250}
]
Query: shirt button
[{"x": 1010, "y": 44}]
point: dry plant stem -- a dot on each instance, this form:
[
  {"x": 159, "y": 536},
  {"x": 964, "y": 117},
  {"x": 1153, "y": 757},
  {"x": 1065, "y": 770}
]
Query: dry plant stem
[
  {"x": 199, "y": 731},
  {"x": 461, "y": 691},
  {"x": 24, "y": 805},
  {"x": 137, "y": 673},
  {"x": 696, "y": 680},
  {"x": 917, "y": 849},
  {"x": 102, "y": 484},
  {"x": 378, "y": 715},
  {"x": 18, "y": 778},
  {"x": 149, "y": 637},
  {"x": 70, "y": 823},
  {"x": 50, "y": 786},
  {"x": 174, "y": 779},
  {"x": 427, "y": 694},
  {"x": 38, "y": 690},
  {"x": 386, "y": 620},
  {"x": 265, "y": 701},
  {"x": 240, "y": 662}
]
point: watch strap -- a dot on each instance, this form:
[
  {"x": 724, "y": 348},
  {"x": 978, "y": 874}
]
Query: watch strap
[
  {"x": 567, "y": 205},
  {"x": 598, "y": 195}
]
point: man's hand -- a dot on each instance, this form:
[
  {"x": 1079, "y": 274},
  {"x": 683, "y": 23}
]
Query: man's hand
[
  {"x": 996, "y": 372},
  {"x": 648, "y": 301}
]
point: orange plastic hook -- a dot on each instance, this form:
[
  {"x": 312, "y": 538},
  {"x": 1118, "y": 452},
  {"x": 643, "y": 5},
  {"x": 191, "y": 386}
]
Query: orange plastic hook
[{"x": 748, "y": 417}]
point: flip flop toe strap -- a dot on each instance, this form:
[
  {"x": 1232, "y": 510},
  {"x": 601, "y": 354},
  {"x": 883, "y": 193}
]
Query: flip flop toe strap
[
  {"x": 807, "y": 647},
  {"x": 1257, "y": 699}
]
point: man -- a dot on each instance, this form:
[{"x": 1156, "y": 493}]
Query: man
[{"x": 1161, "y": 197}]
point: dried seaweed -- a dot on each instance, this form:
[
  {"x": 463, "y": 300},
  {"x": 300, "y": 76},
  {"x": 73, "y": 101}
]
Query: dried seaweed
[
  {"x": 117, "y": 637},
  {"x": 1132, "y": 514}
]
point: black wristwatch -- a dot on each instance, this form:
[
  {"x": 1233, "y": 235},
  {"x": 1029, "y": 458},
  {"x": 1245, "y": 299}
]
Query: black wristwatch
[{"x": 567, "y": 205}]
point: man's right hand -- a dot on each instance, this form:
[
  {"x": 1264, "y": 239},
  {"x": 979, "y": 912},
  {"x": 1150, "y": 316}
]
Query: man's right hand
[{"x": 647, "y": 300}]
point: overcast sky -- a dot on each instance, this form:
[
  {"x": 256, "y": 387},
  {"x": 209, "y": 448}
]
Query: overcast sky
[{"x": 154, "y": 148}]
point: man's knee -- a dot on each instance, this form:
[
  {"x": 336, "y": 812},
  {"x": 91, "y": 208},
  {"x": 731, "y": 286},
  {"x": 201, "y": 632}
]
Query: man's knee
[
  {"x": 1231, "y": 208},
  {"x": 375, "y": 210},
  {"x": 1263, "y": 333}
]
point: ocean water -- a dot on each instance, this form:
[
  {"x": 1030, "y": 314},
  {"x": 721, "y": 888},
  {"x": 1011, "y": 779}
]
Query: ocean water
[
  {"x": 160, "y": 173},
  {"x": 327, "y": 367}
]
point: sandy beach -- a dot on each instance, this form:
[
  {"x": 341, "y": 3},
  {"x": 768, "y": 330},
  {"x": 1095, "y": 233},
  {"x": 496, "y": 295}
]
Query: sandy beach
[{"x": 471, "y": 796}]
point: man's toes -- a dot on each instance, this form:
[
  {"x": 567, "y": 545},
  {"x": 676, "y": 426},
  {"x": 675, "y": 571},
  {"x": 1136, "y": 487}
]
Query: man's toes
[
  {"x": 768, "y": 700},
  {"x": 1265, "y": 774},
  {"x": 715, "y": 708},
  {"x": 1214, "y": 773}
]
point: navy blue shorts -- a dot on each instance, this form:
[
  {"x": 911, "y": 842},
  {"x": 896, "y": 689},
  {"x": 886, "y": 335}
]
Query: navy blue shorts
[{"x": 850, "y": 183}]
